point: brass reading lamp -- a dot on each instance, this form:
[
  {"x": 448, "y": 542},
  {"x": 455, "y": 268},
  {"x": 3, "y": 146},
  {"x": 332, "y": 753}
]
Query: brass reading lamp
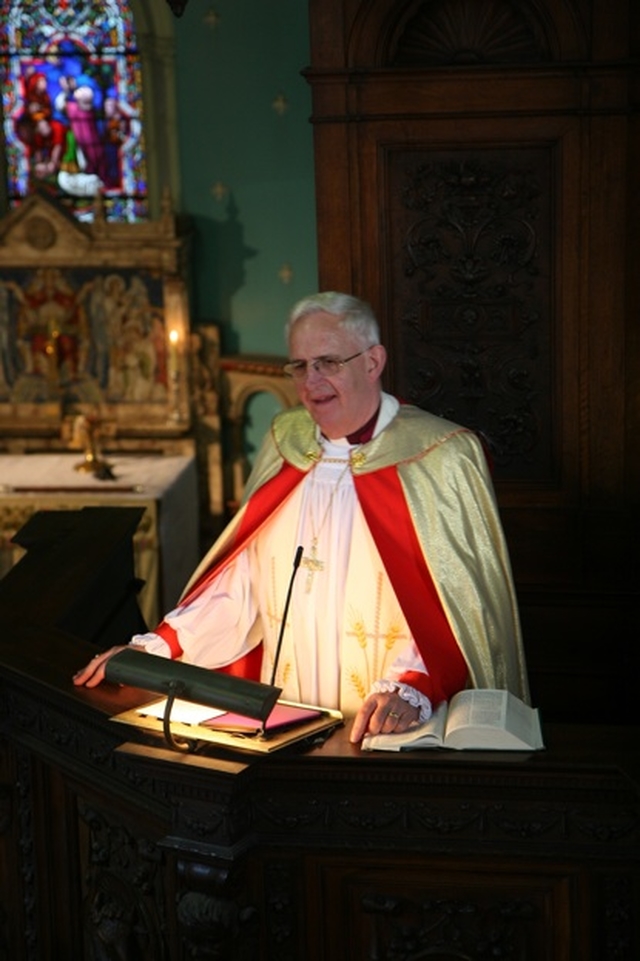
[{"x": 191, "y": 683}]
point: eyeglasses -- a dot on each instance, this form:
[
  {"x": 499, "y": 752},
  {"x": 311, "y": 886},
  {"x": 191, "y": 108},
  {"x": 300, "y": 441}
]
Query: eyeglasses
[{"x": 325, "y": 366}]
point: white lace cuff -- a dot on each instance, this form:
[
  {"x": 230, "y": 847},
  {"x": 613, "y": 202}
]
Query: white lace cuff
[
  {"x": 151, "y": 643},
  {"x": 410, "y": 694}
]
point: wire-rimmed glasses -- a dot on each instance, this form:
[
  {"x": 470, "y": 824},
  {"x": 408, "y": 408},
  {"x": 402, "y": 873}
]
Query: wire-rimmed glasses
[{"x": 325, "y": 366}]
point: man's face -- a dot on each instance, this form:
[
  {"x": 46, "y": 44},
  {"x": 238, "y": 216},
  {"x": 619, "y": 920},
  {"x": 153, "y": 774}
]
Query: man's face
[{"x": 342, "y": 403}]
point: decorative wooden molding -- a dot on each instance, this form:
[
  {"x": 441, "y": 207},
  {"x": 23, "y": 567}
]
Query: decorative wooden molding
[{"x": 241, "y": 377}]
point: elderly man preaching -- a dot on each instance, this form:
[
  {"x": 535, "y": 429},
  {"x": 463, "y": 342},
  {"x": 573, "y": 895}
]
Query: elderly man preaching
[{"x": 404, "y": 592}]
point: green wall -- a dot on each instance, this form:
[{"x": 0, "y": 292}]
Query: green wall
[{"x": 228, "y": 76}]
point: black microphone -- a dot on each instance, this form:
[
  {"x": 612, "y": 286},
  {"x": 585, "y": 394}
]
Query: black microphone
[{"x": 296, "y": 565}]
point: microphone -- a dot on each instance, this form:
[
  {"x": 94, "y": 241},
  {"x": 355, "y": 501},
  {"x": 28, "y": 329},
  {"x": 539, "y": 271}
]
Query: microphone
[{"x": 296, "y": 565}]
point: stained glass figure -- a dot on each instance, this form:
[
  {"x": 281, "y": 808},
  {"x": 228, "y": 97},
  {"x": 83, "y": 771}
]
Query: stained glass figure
[{"x": 72, "y": 105}]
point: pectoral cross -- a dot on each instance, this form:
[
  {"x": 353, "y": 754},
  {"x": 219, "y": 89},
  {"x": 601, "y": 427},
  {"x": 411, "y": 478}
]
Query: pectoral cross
[{"x": 312, "y": 564}]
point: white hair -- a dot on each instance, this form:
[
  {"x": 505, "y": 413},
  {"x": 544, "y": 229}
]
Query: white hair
[{"x": 354, "y": 315}]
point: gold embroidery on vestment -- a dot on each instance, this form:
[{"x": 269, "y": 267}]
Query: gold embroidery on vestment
[
  {"x": 379, "y": 641},
  {"x": 358, "y": 684}
]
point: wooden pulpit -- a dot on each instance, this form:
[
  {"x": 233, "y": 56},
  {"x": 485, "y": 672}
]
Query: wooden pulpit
[{"x": 114, "y": 846}]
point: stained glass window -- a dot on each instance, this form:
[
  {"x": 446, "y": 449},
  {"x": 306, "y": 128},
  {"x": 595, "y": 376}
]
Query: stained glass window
[{"x": 72, "y": 105}]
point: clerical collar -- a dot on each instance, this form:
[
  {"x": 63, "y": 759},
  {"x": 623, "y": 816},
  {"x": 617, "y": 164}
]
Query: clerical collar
[
  {"x": 384, "y": 415},
  {"x": 364, "y": 433}
]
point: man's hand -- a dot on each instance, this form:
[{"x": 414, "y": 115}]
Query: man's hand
[
  {"x": 383, "y": 713},
  {"x": 93, "y": 673}
]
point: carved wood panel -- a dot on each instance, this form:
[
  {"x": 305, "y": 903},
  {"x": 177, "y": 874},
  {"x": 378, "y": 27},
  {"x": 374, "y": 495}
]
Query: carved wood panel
[
  {"x": 467, "y": 248},
  {"x": 122, "y": 880},
  {"x": 426, "y": 909},
  {"x": 470, "y": 249}
]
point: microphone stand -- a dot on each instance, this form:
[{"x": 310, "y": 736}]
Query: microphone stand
[{"x": 296, "y": 565}]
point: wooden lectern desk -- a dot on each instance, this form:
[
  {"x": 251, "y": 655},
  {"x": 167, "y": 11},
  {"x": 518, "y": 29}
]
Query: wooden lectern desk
[{"x": 113, "y": 846}]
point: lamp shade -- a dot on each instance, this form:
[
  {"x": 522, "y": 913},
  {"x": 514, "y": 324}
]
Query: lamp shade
[{"x": 192, "y": 683}]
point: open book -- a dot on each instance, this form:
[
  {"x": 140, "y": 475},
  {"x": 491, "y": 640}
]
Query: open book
[{"x": 481, "y": 719}]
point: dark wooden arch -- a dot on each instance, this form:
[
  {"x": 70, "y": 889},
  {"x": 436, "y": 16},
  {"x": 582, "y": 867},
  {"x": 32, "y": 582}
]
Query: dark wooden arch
[{"x": 375, "y": 31}]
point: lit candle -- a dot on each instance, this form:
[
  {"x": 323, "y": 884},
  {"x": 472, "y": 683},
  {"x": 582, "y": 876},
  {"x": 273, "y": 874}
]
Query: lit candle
[{"x": 174, "y": 337}]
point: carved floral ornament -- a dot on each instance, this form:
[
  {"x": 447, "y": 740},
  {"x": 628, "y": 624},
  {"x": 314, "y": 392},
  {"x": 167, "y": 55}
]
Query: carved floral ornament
[{"x": 40, "y": 233}]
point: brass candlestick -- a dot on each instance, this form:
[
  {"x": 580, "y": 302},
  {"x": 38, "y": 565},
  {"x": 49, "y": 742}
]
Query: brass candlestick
[{"x": 86, "y": 434}]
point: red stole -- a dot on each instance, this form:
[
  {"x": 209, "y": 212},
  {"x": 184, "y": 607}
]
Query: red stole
[{"x": 391, "y": 525}]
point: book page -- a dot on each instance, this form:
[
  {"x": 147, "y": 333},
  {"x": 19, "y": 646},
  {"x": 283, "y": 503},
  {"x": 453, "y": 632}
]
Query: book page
[
  {"x": 492, "y": 719},
  {"x": 477, "y": 708},
  {"x": 524, "y": 722},
  {"x": 185, "y": 712}
]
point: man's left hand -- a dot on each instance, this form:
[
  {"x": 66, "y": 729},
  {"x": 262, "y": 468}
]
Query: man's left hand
[{"x": 383, "y": 713}]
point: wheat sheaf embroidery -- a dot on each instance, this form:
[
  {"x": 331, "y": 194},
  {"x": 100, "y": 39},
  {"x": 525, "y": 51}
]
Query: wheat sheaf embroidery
[
  {"x": 393, "y": 634},
  {"x": 378, "y": 640},
  {"x": 359, "y": 631},
  {"x": 358, "y": 685},
  {"x": 287, "y": 671}
]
